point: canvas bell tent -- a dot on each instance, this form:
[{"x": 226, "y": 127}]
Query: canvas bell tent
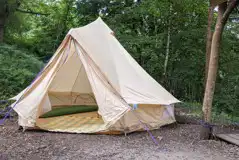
[{"x": 92, "y": 69}]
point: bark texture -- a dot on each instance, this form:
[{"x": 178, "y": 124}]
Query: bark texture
[
  {"x": 224, "y": 10},
  {"x": 1, "y": 29},
  {"x": 3, "y": 15},
  {"x": 167, "y": 50},
  {"x": 209, "y": 39},
  {"x": 167, "y": 45},
  {"x": 213, "y": 65}
]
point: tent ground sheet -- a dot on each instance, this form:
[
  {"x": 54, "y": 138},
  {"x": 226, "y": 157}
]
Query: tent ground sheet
[{"x": 88, "y": 122}]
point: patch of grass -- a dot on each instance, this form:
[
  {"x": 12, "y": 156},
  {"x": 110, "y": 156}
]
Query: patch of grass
[
  {"x": 191, "y": 108},
  {"x": 195, "y": 109}
]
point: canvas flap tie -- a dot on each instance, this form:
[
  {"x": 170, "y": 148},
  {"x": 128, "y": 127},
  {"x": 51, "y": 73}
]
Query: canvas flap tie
[{"x": 135, "y": 106}]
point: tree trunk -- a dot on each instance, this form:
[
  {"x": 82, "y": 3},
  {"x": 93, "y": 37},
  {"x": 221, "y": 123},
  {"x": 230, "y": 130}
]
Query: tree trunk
[
  {"x": 4, "y": 11},
  {"x": 2, "y": 23},
  {"x": 1, "y": 33},
  {"x": 224, "y": 10},
  {"x": 168, "y": 45},
  {"x": 212, "y": 72},
  {"x": 209, "y": 39},
  {"x": 167, "y": 50}
]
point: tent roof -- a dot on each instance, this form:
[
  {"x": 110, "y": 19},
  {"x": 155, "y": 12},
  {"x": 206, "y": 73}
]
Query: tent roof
[{"x": 130, "y": 80}]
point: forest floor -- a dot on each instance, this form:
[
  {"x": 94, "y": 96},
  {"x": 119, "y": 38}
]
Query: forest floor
[{"x": 176, "y": 142}]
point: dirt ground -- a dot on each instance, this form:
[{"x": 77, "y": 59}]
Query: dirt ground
[{"x": 176, "y": 142}]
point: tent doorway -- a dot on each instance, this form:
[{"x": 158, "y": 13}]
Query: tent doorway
[{"x": 73, "y": 104}]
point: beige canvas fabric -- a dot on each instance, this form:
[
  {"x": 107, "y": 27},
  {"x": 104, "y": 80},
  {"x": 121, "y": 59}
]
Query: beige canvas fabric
[
  {"x": 135, "y": 85},
  {"x": 153, "y": 116},
  {"x": 92, "y": 67}
]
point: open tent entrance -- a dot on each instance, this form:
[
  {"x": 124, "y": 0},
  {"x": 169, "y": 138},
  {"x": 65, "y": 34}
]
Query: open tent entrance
[
  {"x": 73, "y": 104},
  {"x": 70, "y": 85}
]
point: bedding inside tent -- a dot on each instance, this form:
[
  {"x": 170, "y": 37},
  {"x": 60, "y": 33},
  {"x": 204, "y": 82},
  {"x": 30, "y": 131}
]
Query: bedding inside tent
[
  {"x": 71, "y": 117},
  {"x": 86, "y": 119},
  {"x": 72, "y": 112},
  {"x": 87, "y": 122},
  {"x": 67, "y": 110}
]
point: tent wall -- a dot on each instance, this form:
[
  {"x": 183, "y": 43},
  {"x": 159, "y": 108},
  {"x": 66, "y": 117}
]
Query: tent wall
[
  {"x": 57, "y": 99},
  {"x": 153, "y": 116}
]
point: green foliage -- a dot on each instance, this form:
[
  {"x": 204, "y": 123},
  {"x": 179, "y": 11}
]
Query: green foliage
[
  {"x": 194, "y": 109},
  {"x": 227, "y": 91},
  {"x": 17, "y": 70}
]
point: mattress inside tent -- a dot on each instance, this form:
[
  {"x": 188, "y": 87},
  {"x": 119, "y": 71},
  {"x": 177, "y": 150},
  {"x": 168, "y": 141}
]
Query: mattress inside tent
[{"x": 86, "y": 122}]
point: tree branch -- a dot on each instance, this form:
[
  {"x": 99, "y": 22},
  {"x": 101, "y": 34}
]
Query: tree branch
[
  {"x": 32, "y": 12},
  {"x": 232, "y": 4}
]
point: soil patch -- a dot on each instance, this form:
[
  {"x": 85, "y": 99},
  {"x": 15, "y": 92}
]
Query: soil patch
[{"x": 176, "y": 142}]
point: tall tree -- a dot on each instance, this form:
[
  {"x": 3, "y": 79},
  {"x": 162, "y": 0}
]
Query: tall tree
[
  {"x": 8, "y": 7},
  {"x": 209, "y": 37},
  {"x": 4, "y": 12},
  {"x": 168, "y": 42},
  {"x": 224, "y": 10}
]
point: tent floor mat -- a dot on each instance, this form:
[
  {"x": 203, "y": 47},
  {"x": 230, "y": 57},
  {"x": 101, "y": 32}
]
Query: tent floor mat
[{"x": 89, "y": 122}]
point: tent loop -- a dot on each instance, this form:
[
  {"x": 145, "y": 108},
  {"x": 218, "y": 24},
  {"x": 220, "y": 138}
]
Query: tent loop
[{"x": 135, "y": 106}]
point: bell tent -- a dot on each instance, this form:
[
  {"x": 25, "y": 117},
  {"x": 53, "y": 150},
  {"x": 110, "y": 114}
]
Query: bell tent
[{"x": 91, "y": 71}]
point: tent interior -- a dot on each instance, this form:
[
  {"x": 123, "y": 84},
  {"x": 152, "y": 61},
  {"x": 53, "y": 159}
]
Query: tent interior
[{"x": 73, "y": 103}]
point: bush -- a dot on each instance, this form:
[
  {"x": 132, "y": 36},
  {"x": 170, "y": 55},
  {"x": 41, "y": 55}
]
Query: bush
[{"x": 17, "y": 69}]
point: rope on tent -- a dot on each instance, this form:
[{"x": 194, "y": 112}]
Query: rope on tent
[
  {"x": 146, "y": 128},
  {"x": 150, "y": 133},
  {"x": 11, "y": 108},
  {"x": 206, "y": 124},
  {"x": 3, "y": 110},
  {"x": 135, "y": 106},
  {"x": 6, "y": 115}
]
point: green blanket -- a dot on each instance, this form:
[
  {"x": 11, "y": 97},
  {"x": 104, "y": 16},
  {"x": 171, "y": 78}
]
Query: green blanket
[{"x": 65, "y": 110}]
